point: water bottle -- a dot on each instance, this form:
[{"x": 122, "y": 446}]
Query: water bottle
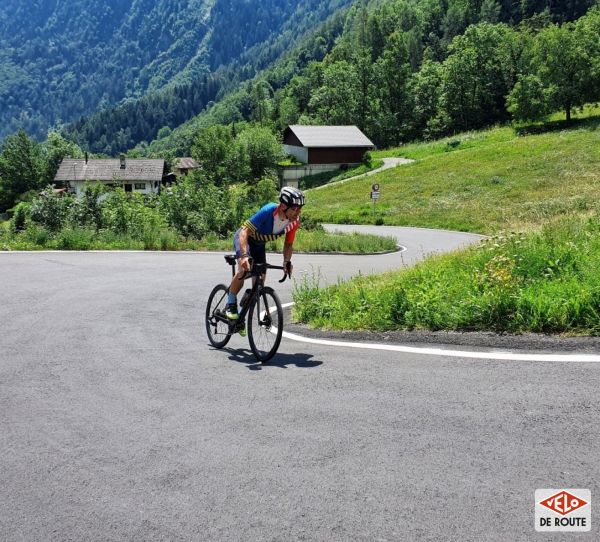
[{"x": 246, "y": 297}]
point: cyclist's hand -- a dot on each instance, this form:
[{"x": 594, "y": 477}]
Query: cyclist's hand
[
  {"x": 245, "y": 264},
  {"x": 288, "y": 268}
]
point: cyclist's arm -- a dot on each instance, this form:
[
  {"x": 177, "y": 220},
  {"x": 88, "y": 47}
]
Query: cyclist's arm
[
  {"x": 243, "y": 237},
  {"x": 287, "y": 257},
  {"x": 290, "y": 237}
]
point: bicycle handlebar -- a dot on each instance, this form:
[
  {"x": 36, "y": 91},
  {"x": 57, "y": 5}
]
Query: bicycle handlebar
[{"x": 260, "y": 268}]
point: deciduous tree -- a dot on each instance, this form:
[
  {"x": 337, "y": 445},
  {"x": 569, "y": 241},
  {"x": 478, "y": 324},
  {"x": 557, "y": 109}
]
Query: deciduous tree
[
  {"x": 563, "y": 64},
  {"x": 21, "y": 168}
]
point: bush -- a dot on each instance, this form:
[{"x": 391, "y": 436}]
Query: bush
[
  {"x": 20, "y": 216},
  {"x": 168, "y": 240},
  {"x": 197, "y": 207},
  {"x": 87, "y": 211},
  {"x": 134, "y": 215},
  {"x": 51, "y": 209},
  {"x": 75, "y": 239},
  {"x": 265, "y": 191},
  {"x": 310, "y": 224},
  {"x": 36, "y": 234}
]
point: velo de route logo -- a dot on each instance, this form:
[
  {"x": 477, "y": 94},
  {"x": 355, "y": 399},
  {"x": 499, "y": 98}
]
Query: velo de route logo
[{"x": 563, "y": 510}]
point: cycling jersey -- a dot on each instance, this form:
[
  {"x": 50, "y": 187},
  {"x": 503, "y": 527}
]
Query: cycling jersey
[{"x": 266, "y": 226}]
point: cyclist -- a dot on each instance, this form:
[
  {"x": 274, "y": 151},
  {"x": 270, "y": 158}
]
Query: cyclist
[{"x": 270, "y": 222}]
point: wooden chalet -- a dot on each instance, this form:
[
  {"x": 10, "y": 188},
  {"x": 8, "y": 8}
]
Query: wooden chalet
[{"x": 326, "y": 144}]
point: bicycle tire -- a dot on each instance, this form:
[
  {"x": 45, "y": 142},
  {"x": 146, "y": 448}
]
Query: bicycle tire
[
  {"x": 263, "y": 342},
  {"x": 215, "y": 328}
]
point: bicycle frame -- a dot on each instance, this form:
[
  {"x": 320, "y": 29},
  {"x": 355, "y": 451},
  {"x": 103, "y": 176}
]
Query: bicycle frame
[{"x": 257, "y": 272}]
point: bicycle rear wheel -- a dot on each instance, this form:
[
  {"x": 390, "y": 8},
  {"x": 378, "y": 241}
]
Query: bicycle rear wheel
[
  {"x": 216, "y": 328},
  {"x": 264, "y": 315}
]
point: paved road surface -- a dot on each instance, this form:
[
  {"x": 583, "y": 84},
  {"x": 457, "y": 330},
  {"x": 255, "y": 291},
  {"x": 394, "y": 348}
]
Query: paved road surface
[{"x": 118, "y": 422}]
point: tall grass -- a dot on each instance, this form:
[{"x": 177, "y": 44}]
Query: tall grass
[
  {"x": 545, "y": 281},
  {"x": 316, "y": 240},
  {"x": 322, "y": 241}
]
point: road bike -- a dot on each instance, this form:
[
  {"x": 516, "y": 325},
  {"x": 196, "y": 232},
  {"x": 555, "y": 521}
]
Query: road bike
[{"x": 260, "y": 303}]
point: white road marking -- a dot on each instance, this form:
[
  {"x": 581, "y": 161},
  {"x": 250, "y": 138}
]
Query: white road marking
[{"x": 502, "y": 356}]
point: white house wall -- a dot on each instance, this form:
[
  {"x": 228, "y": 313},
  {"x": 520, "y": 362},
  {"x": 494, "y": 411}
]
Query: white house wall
[
  {"x": 79, "y": 187},
  {"x": 301, "y": 153},
  {"x": 290, "y": 173}
]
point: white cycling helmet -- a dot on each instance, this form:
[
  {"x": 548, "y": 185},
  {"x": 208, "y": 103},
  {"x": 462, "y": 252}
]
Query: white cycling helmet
[{"x": 291, "y": 196}]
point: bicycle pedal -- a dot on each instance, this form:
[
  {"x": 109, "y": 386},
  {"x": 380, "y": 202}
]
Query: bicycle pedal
[{"x": 237, "y": 325}]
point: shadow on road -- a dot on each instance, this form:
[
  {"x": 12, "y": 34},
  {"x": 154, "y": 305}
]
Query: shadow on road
[{"x": 245, "y": 355}]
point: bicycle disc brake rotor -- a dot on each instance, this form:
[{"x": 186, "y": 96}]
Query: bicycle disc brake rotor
[{"x": 266, "y": 321}]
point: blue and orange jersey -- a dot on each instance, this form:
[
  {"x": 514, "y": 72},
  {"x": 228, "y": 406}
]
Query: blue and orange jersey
[{"x": 263, "y": 225}]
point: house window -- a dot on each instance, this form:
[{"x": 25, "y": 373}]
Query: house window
[{"x": 140, "y": 186}]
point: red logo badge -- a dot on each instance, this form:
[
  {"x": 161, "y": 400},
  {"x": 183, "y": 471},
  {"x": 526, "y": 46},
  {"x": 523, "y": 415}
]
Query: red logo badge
[{"x": 563, "y": 503}]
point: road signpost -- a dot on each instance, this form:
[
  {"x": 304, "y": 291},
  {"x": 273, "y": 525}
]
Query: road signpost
[{"x": 375, "y": 195}]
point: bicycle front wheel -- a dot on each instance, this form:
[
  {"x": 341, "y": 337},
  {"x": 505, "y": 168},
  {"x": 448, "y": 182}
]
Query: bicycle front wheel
[
  {"x": 265, "y": 324},
  {"x": 217, "y": 328}
]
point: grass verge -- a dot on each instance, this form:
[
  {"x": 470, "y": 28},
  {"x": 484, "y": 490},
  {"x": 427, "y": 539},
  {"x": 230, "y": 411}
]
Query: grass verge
[
  {"x": 316, "y": 240},
  {"x": 544, "y": 281}
]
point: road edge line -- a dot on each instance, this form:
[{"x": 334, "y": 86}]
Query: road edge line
[{"x": 498, "y": 356}]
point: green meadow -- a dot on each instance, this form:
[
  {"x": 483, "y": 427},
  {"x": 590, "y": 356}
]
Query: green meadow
[{"x": 484, "y": 182}]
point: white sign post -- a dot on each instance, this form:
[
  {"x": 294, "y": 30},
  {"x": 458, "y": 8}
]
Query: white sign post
[{"x": 375, "y": 195}]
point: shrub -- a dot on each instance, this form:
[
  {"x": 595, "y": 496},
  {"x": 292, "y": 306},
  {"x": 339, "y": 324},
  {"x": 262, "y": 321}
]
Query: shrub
[
  {"x": 116, "y": 214},
  {"x": 87, "y": 211},
  {"x": 36, "y": 234},
  {"x": 451, "y": 145},
  {"x": 310, "y": 224},
  {"x": 21, "y": 213},
  {"x": 75, "y": 239},
  {"x": 51, "y": 209}
]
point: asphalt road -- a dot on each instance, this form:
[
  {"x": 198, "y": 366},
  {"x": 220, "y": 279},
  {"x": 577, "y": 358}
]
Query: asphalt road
[{"x": 119, "y": 422}]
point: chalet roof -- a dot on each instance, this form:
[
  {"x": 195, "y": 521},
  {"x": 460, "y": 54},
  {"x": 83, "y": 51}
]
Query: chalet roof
[
  {"x": 76, "y": 169},
  {"x": 186, "y": 163},
  {"x": 330, "y": 136}
]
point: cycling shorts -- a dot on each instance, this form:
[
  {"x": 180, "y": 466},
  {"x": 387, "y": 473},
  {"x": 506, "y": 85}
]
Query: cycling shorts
[{"x": 256, "y": 248}]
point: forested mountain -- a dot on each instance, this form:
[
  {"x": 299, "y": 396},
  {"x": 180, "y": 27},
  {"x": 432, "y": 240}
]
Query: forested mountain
[
  {"x": 121, "y": 73},
  {"x": 406, "y": 69},
  {"x": 119, "y": 128},
  {"x": 60, "y": 60}
]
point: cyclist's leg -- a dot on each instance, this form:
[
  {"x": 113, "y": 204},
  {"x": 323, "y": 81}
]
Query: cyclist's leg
[
  {"x": 237, "y": 281},
  {"x": 259, "y": 255}
]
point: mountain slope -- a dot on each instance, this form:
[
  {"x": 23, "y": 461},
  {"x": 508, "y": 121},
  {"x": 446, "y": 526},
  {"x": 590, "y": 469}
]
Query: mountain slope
[
  {"x": 153, "y": 116},
  {"x": 403, "y": 69},
  {"x": 60, "y": 60}
]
